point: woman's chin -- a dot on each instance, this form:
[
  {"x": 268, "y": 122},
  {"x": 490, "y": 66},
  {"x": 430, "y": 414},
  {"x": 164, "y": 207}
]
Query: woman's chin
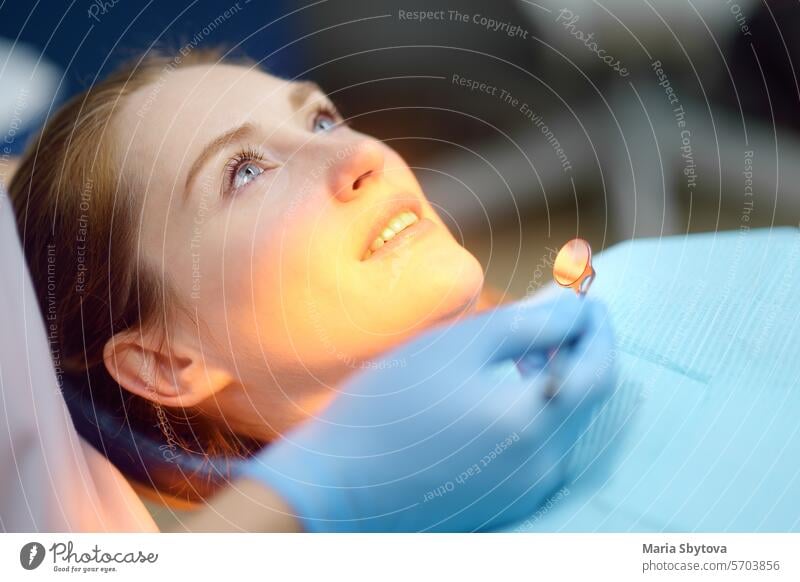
[
  {"x": 462, "y": 297},
  {"x": 444, "y": 289}
]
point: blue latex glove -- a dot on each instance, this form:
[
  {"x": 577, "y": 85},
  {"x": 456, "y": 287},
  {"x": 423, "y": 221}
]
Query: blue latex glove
[{"x": 445, "y": 433}]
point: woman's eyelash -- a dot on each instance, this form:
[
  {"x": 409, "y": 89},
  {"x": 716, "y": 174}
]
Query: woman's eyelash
[
  {"x": 245, "y": 156},
  {"x": 329, "y": 109}
]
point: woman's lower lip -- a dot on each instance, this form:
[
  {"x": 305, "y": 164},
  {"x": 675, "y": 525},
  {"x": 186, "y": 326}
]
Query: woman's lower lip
[{"x": 404, "y": 237}]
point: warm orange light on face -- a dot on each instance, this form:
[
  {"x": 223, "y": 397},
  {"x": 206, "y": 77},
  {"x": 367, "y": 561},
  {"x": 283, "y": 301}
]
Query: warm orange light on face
[{"x": 573, "y": 266}]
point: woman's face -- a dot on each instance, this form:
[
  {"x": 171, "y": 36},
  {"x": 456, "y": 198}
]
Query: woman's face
[{"x": 299, "y": 247}]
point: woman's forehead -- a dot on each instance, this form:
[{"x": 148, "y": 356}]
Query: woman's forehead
[{"x": 206, "y": 93}]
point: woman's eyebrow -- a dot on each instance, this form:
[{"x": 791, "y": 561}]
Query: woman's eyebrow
[
  {"x": 237, "y": 133},
  {"x": 301, "y": 91}
]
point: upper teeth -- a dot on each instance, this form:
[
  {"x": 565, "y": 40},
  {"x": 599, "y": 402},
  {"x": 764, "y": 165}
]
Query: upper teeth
[{"x": 396, "y": 224}]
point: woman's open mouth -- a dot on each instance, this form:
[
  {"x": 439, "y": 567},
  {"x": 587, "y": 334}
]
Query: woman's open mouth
[
  {"x": 402, "y": 223},
  {"x": 396, "y": 225}
]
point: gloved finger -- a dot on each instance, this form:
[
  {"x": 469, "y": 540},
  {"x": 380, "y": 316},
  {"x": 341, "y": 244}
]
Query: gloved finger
[
  {"x": 533, "y": 362},
  {"x": 523, "y": 328},
  {"x": 505, "y": 333},
  {"x": 522, "y": 396}
]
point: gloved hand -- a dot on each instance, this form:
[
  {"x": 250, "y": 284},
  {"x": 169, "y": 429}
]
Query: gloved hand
[{"x": 445, "y": 433}]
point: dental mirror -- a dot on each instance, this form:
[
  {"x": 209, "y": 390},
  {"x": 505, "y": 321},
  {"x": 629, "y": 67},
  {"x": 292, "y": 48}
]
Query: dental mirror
[{"x": 573, "y": 266}]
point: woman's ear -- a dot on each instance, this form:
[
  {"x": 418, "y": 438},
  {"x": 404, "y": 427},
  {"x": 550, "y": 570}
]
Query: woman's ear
[{"x": 164, "y": 372}]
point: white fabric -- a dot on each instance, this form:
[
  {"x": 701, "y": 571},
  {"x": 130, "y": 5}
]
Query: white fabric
[{"x": 50, "y": 479}]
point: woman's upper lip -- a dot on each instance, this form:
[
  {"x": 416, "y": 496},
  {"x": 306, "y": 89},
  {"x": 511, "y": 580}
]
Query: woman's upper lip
[{"x": 389, "y": 210}]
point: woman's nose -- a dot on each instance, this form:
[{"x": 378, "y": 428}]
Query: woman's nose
[{"x": 361, "y": 163}]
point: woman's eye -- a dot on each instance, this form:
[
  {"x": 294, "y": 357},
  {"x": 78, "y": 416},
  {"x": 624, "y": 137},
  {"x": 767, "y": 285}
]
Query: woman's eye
[
  {"x": 246, "y": 173},
  {"x": 324, "y": 121}
]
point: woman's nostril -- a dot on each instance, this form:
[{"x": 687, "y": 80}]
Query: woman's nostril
[{"x": 360, "y": 179}]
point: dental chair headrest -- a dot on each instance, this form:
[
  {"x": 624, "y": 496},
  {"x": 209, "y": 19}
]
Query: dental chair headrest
[{"x": 172, "y": 471}]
